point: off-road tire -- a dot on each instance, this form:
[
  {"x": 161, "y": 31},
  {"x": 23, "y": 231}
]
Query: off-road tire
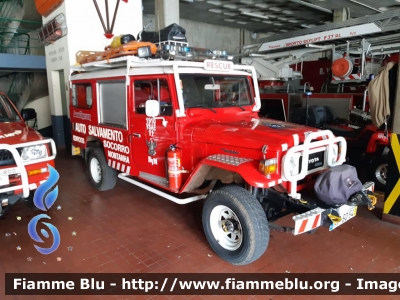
[
  {"x": 254, "y": 224},
  {"x": 108, "y": 175},
  {"x": 373, "y": 169}
]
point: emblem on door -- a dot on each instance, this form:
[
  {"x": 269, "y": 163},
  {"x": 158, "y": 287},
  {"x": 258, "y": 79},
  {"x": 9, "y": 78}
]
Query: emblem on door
[{"x": 152, "y": 147}]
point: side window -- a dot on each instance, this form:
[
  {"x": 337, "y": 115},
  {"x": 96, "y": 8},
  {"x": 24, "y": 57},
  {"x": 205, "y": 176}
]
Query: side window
[
  {"x": 154, "y": 89},
  {"x": 112, "y": 103},
  {"x": 82, "y": 95}
]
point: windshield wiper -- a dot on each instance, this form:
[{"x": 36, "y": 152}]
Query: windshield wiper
[
  {"x": 206, "y": 107},
  {"x": 240, "y": 107}
]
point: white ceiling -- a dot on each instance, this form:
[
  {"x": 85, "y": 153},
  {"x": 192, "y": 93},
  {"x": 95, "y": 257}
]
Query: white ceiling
[{"x": 274, "y": 16}]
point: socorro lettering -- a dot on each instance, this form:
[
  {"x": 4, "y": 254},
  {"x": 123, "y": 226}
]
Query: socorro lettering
[
  {"x": 118, "y": 156},
  {"x": 116, "y": 147},
  {"x": 78, "y": 139},
  {"x": 106, "y": 133}
]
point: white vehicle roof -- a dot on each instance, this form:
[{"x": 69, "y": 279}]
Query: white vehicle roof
[
  {"x": 132, "y": 65},
  {"x": 119, "y": 67}
]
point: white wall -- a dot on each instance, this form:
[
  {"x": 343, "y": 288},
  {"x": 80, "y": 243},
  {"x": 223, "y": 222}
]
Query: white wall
[
  {"x": 42, "y": 107},
  {"x": 85, "y": 32}
]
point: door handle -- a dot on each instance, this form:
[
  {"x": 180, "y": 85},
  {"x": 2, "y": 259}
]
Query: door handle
[{"x": 136, "y": 135}]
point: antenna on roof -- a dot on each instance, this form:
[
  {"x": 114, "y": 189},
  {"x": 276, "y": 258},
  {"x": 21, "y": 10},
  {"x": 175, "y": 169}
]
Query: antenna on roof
[{"x": 159, "y": 27}]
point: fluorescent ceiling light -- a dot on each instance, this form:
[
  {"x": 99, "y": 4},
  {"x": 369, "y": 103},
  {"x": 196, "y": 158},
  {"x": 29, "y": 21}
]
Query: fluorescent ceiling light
[
  {"x": 254, "y": 15},
  {"x": 365, "y": 5}
]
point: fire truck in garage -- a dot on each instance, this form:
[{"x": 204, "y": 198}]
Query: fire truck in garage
[
  {"x": 299, "y": 83},
  {"x": 183, "y": 123},
  {"x": 24, "y": 155}
]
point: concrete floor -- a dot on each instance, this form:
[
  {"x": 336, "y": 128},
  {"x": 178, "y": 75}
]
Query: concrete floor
[{"x": 131, "y": 230}]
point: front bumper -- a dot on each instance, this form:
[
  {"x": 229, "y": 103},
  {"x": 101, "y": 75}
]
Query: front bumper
[
  {"x": 333, "y": 217},
  {"x": 14, "y": 179},
  {"x": 295, "y": 163}
]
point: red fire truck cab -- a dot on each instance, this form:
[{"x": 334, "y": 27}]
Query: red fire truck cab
[
  {"x": 24, "y": 154},
  {"x": 189, "y": 130}
]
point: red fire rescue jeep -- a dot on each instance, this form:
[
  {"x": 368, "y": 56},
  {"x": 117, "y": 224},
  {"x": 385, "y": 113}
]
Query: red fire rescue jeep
[
  {"x": 188, "y": 130},
  {"x": 24, "y": 154}
]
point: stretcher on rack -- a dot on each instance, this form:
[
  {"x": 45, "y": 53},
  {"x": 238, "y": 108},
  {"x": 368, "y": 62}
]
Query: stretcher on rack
[{"x": 130, "y": 48}]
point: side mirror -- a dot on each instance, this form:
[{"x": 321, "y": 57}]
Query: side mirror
[
  {"x": 28, "y": 114},
  {"x": 152, "y": 108}
]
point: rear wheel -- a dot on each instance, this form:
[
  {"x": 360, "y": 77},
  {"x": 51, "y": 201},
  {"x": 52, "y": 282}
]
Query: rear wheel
[
  {"x": 235, "y": 225},
  {"x": 101, "y": 176},
  {"x": 378, "y": 172}
]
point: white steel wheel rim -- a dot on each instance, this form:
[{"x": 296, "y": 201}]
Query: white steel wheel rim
[
  {"x": 95, "y": 170},
  {"x": 218, "y": 220}
]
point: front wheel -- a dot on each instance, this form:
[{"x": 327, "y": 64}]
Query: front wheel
[
  {"x": 235, "y": 225},
  {"x": 101, "y": 176}
]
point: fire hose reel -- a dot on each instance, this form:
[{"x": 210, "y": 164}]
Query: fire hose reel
[{"x": 342, "y": 67}]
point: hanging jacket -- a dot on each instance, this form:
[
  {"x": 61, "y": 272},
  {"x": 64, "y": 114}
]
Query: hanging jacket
[{"x": 378, "y": 95}]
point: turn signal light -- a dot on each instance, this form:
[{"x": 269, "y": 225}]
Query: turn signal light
[
  {"x": 37, "y": 171},
  {"x": 268, "y": 166}
]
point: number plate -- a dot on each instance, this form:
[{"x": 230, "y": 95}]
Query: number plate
[
  {"x": 4, "y": 180},
  {"x": 346, "y": 213}
]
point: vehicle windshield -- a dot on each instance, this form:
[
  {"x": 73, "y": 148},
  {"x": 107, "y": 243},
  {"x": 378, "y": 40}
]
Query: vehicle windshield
[
  {"x": 7, "y": 111},
  {"x": 213, "y": 91}
]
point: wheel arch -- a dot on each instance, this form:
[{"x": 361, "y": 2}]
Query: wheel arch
[
  {"x": 208, "y": 169},
  {"x": 92, "y": 142}
]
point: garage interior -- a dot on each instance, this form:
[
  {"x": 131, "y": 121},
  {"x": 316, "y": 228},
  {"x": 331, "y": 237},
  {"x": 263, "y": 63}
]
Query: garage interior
[{"x": 129, "y": 229}]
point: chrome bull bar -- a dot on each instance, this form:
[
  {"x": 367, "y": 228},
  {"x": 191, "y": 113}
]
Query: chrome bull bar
[
  {"x": 20, "y": 164},
  {"x": 328, "y": 144}
]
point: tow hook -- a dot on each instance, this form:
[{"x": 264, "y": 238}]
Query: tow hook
[
  {"x": 331, "y": 217},
  {"x": 334, "y": 219},
  {"x": 230, "y": 226},
  {"x": 363, "y": 198},
  {"x": 373, "y": 200}
]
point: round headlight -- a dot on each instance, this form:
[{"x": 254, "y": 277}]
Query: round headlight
[{"x": 34, "y": 152}]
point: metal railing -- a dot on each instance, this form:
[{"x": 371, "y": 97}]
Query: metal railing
[{"x": 18, "y": 83}]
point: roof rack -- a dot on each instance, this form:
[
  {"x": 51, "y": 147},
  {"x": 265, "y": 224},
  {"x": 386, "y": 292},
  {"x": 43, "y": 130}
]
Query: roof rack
[{"x": 166, "y": 51}]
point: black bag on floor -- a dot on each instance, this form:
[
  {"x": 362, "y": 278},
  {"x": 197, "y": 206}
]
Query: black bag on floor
[{"x": 336, "y": 185}]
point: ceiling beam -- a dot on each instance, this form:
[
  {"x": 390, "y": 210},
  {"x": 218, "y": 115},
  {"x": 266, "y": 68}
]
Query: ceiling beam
[
  {"x": 312, "y": 6},
  {"x": 365, "y": 5},
  {"x": 352, "y": 22}
]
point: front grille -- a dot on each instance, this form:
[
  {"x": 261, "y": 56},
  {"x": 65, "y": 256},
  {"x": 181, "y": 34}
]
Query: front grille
[
  {"x": 5, "y": 155},
  {"x": 6, "y": 158},
  {"x": 315, "y": 160}
]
